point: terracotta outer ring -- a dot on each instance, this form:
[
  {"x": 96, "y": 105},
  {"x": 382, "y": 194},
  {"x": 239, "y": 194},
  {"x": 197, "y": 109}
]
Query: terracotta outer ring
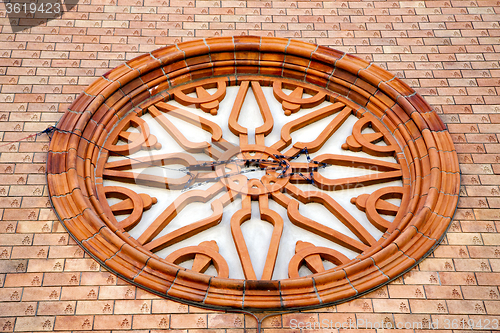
[{"x": 74, "y": 161}]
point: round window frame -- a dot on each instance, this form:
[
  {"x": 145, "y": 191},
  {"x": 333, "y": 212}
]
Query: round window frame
[{"x": 74, "y": 151}]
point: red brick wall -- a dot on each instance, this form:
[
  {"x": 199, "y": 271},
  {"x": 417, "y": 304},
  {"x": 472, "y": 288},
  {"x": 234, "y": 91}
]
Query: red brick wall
[{"x": 448, "y": 51}]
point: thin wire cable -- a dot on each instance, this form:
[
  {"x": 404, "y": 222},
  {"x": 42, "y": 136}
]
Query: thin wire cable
[
  {"x": 48, "y": 129},
  {"x": 260, "y": 321},
  {"x": 54, "y": 128},
  {"x": 282, "y": 164}
]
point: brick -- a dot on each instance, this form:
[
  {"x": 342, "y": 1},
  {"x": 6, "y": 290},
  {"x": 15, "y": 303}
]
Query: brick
[
  {"x": 160, "y": 322},
  {"x": 45, "y": 265},
  {"x": 302, "y": 317},
  {"x": 459, "y": 321},
  {"x": 431, "y": 264},
  {"x": 7, "y": 323},
  {"x": 167, "y": 306},
  {"x": 132, "y": 307},
  {"x": 392, "y": 305},
  {"x": 457, "y": 278},
  {"x": 465, "y": 265},
  {"x": 80, "y": 265},
  {"x": 360, "y": 305},
  {"x": 24, "y": 324},
  {"x": 121, "y": 292},
  {"x": 66, "y": 252},
  {"x": 487, "y": 279},
  {"x": 50, "y": 239},
  {"x": 443, "y": 292},
  {"x": 415, "y": 277},
  {"x": 464, "y": 238},
  {"x": 21, "y": 280},
  {"x": 428, "y": 306},
  {"x": 103, "y": 322},
  {"x": 491, "y": 239},
  {"x": 331, "y": 319},
  {"x": 478, "y": 226},
  {"x": 369, "y": 321},
  {"x": 41, "y": 293},
  {"x": 13, "y": 266},
  {"x": 495, "y": 265},
  {"x": 94, "y": 307},
  {"x": 487, "y": 214},
  {"x": 219, "y": 321},
  {"x": 484, "y": 252},
  {"x": 79, "y": 293},
  {"x": 18, "y": 309},
  {"x": 93, "y": 278},
  {"x": 408, "y": 322},
  {"x": 60, "y": 279},
  {"x": 143, "y": 294},
  {"x": 492, "y": 307},
  {"x": 73, "y": 323},
  {"x": 188, "y": 321},
  {"x": 56, "y": 308},
  {"x": 480, "y": 293},
  {"x": 404, "y": 291},
  {"x": 10, "y": 294},
  {"x": 465, "y": 307}
]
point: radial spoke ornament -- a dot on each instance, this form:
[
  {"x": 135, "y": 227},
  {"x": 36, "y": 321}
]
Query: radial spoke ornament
[{"x": 253, "y": 173}]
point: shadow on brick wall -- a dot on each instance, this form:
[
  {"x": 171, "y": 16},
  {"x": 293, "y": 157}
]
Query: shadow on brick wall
[{"x": 25, "y": 14}]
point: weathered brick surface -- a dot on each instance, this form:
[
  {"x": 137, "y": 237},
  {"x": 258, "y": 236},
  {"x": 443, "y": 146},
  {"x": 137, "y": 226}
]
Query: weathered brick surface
[{"x": 448, "y": 51}]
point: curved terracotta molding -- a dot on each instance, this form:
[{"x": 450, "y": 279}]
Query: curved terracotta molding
[{"x": 426, "y": 162}]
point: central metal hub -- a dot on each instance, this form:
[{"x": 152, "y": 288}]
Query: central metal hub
[{"x": 252, "y": 159}]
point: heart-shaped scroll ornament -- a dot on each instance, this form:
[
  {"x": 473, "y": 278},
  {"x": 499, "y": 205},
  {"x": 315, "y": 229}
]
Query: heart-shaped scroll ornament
[{"x": 253, "y": 173}]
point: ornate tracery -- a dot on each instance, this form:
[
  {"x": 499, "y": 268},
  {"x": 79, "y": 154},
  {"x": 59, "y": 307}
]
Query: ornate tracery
[{"x": 392, "y": 121}]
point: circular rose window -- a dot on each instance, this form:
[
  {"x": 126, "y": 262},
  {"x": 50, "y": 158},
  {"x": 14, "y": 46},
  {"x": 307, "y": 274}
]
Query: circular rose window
[{"x": 253, "y": 173}]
